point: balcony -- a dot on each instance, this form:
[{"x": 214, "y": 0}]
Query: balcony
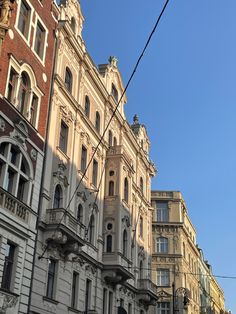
[
  {"x": 147, "y": 291},
  {"x": 64, "y": 231},
  {"x": 14, "y": 206}
]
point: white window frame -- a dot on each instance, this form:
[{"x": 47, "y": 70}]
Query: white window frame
[
  {"x": 31, "y": 24},
  {"x": 38, "y": 20},
  {"x": 162, "y": 245},
  {"x": 163, "y": 277}
]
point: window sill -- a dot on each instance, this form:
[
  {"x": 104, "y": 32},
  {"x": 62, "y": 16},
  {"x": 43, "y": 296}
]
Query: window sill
[
  {"x": 50, "y": 300},
  {"x": 61, "y": 152},
  {"x": 71, "y": 309}
]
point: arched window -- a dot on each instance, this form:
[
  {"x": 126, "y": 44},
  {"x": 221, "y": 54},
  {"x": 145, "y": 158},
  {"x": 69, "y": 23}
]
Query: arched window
[
  {"x": 141, "y": 270},
  {"x": 110, "y": 136},
  {"x": 114, "y": 141},
  {"x": 97, "y": 121},
  {"x": 68, "y": 79},
  {"x": 114, "y": 92},
  {"x": 162, "y": 245},
  {"x": 91, "y": 229},
  {"x": 111, "y": 188},
  {"x": 141, "y": 184},
  {"x": 58, "y": 197},
  {"x": 125, "y": 243},
  {"x": 126, "y": 190},
  {"x": 15, "y": 172},
  {"x": 24, "y": 92},
  {"x": 80, "y": 213},
  {"x": 109, "y": 244},
  {"x": 87, "y": 106},
  {"x": 73, "y": 24},
  {"x": 141, "y": 226}
]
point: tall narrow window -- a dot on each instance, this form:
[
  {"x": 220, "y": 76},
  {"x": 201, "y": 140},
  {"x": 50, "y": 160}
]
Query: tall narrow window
[
  {"x": 163, "y": 277},
  {"x": 141, "y": 226},
  {"x": 104, "y": 307},
  {"x": 63, "y": 137},
  {"x": 11, "y": 86},
  {"x": 57, "y": 200},
  {"x": 80, "y": 213},
  {"x": 109, "y": 243},
  {"x": 68, "y": 79},
  {"x": 125, "y": 243},
  {"x": 88, "y": 295},
  {"x": 39, "y": 40},
  {"x": 111, "y": 188},
  {"x": 91, "y": 229},
  {"x": 97, "y": 121},
  {"x": 95, "y": 172},
  {"x": 23, "y": 93},
  {"x": 141, "y": 184},
  {"x": 141, "y": 270},
  {"x": 114, "y": 92},
  {"x": 83, "y": 163},
  {"x": 73, "y": 24},
  {"x": 162, "y": 245},
  {"x": 126, "y": 190},
  {"x": 110, "y": 138},
  {"x": 87, "y": 106},
  {"x": 75, "y": 290},
  {"x": 8, "y": 266},
  {"x": 33, "y": 110},
  {"x": 130, "y": 308},
  {"x": 24, "y": 19},
  {"x": 51, "y": 278},
  {"x": 110, "y": 302}
]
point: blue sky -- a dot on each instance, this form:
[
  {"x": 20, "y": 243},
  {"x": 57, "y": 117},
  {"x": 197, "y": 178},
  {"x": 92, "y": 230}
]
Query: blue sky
[{"x": 184, "y": 92}]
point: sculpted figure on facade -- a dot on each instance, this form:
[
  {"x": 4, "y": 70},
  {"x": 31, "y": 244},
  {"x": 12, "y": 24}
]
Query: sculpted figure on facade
[{"x": 5, "y": 11}]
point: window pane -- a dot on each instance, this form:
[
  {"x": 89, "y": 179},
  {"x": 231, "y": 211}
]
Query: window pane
[
  {"x": 95, "y": 172},
  {"x": 63, "y": 137},
  {"x": 23, "y": 23},
  {"x": 83, "y": 159},
  {"x": 39, "y": 40},
  {"x": 51, "y": 278},
  {"x": 11, "y": 85},
  {"x": 8, "y": 266},
  {"x": 162, "y": 211}
]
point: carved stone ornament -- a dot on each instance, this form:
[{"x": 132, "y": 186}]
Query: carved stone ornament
[
  {"x": 33, "y": 154},
  {"x": 7, "y": 301},
  {"x": 60, "y": 174},
  {"x": 20, "y": 134},
  {"x": 66, "y": 113},
  {"x": 141, "y": 252},
  {"x": 90, "y": 268},
  {"x": 78, "y": 261},
  {"x": 82, "y": 195},
  {"x": 113, "y": 61},
  {"x": 2, "y": 125},
  {"x": 126, "y": 220}
]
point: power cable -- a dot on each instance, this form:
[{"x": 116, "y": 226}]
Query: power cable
[{"x": 112, "y": 116}]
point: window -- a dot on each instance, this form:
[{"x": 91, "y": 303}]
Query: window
[
  {"x": 63, "y": 137},
  {"x": 80, "y": 213},
  {"x": 104, "y": 307},
  {"x": 130, "y": 308},
  {"x": 163, "y": 277},
  {"x": 162, "y": 211},
  {"x": 163, "y": 308},
  {"x": 15, "y": 173},
  {"x": 97, "y": 121},
  {"x": 162, "y": 245},
  {"x": 114, "y": 92},
  {"x": 58, "y": 198},
  {"x": 141, "y": 270},
  {"x": 95, "y": 172},
  {"x": 109, "y": 244},
  {"x": 83, "y": 163},
  {"x": 141, "y": 184},
  {"x": 88, "y": 295},
  {"x": 125, "y": 243},
  {"x": 115, "y": 141},
  {"x": 34, "y": 110},
  {"x": 110, "y": 138},
  {"x": 23, "y": 95},
  {"x": 68, "y": 79},
  {"x": 111, "y": 188},
  {"x": 141, "y": 226},
  {"x": 126, "y": 190},
  {"x": 91, "y": 229},
  {"x": 12, "y": 86},
  {"x": 87, "y": 106},
  {"x": 24, "y": 19},
  {"x": 51, "y": 278},
  {"x": 75, "y": 290},
  {"x": 73, "y": 24},
  {"x": 7, "y": 276},
  {"x": 110, "y": 302},
  {"x": 39, "y": 40}
]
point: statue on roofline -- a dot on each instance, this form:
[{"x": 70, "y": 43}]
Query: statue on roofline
[{"x": 5, "y": 11}]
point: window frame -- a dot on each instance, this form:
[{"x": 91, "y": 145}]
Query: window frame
[
  {"x": 162, "y": 213},
  {"x": 27, "y": 37},
  {"x": 63, "y": 137},
  {"x": 51, "y": 279},
  {"x": 9, "y": 267},
  {"x": 83, "y": 159},
  {"x": 68, "y": 80},
  {"x": 162, "y": 245},
  {"x": 163, "y": 277},
  {"x": 95, "y": 173}
]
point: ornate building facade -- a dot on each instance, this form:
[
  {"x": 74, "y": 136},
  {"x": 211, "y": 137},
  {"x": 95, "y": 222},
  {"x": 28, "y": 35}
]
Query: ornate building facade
[
  {"x": 94, "y": 239},
  {"x": 26, "y": 49},
  {"x": 184, "y": 279}
]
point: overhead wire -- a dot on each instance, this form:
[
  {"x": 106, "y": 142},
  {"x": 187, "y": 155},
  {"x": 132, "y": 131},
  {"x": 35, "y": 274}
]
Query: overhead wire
[{"x": 112, "y": 116}]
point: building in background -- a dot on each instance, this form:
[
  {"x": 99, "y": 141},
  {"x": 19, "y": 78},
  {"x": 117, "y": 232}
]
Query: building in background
[
  {"x": 94, "y": 239},
  {"x": 26, "y": 48},
  {"x": 185, "y": 282}
]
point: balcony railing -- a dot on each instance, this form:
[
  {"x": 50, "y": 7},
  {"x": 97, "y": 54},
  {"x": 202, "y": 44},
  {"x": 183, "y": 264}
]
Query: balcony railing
[
  {"x": 54, "y": 216},
  {"x": 147, "y": 285},
  {"x": 13, "y": 205}
]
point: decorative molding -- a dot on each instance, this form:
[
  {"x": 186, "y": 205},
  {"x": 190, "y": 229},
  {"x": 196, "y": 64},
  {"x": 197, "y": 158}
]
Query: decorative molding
[
  {"x": 7, "y": 300},
  {"x": 2, "y": 125},
  {"x": 60, "y": 174}
]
